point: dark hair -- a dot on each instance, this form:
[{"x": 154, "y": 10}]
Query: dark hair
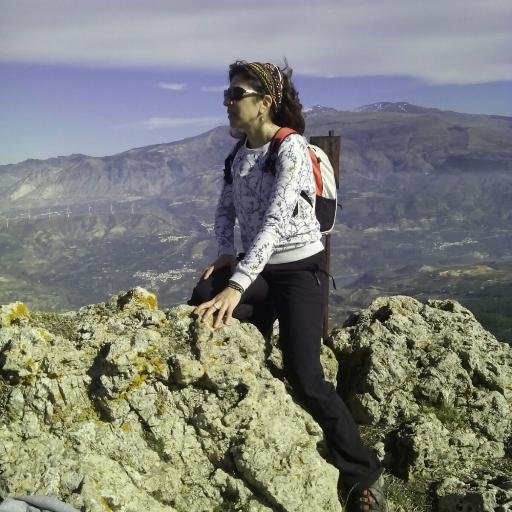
[{"x": 289, "y": 113}]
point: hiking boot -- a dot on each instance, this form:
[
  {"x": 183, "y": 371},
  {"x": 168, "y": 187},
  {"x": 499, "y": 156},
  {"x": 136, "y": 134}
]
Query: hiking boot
[{"x": 367, "y": 499}]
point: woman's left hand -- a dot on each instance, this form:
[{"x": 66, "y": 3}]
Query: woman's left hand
[{"x": 224, "y": 303}]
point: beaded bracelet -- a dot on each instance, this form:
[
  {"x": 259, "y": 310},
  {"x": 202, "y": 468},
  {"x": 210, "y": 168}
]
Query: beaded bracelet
[{"x": 235, "y": 286}]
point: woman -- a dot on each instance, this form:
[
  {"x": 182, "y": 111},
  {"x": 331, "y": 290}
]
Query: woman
[{"x": 283, "y": 267}]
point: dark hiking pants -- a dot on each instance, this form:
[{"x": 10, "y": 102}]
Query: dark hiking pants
[{"x": 294, "y": 292}]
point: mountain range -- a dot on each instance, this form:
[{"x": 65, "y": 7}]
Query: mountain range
[{"x": 426, "y": 202}]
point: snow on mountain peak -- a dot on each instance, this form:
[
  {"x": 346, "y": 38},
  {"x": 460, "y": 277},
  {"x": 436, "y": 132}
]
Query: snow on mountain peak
[{"x": 388, "y": 106}]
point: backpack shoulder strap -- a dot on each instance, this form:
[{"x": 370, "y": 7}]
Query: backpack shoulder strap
[
  {"x": 280, "y": 135},
  {"x": 228, "y": 176}
]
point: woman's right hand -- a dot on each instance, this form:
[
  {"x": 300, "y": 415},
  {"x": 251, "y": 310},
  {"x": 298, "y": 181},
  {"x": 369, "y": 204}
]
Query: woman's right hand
[{"x": 224, "y": 260}]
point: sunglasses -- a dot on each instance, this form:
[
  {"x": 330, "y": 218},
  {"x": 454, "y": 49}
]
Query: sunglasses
[{"x": 238, "y": 93}]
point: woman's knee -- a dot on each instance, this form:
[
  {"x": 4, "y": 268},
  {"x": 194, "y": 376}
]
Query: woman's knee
[
  {"x": 201, "y": 293},
  {"x": 206, "y": 289}
]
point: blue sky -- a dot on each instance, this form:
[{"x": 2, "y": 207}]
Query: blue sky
[{"x": 102, "y": 76}]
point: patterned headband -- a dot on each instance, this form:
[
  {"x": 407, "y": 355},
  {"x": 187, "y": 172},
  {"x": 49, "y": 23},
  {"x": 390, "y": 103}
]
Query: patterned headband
[{"x": 271, "y": 78}]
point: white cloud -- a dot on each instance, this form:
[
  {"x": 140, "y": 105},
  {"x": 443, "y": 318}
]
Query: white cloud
[
  {"x": 160, "y": 123},
  {"x": 460, "y": 41},
  {"x": 213, "y": 88},
  {"x": 172, "y": 86}
]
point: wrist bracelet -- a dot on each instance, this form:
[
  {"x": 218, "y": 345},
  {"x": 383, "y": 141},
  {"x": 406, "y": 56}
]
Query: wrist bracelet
[{"x": 235, "y": 286}]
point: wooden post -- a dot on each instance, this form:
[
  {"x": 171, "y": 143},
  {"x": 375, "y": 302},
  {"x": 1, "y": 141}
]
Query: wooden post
[{"x": 332, "y": 147}]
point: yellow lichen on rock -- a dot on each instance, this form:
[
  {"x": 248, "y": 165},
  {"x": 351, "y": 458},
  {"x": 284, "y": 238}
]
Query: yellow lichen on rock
[
  {"x": 137, "y": 381},
  {"x": 145, "y": 298},
  {"x": 45, "y": 335},
  {"x": 126, "y": 427},
  {"x": 13, "y": 313},
  {"x": 138, "y": 296}
]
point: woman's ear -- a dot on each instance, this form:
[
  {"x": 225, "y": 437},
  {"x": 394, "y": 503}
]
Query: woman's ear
[{"x": 267, "y": 102}]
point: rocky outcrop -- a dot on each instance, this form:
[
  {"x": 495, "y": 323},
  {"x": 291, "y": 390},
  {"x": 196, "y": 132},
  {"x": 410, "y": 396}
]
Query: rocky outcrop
[
  {"x": 437, "y": 388},
  {"x": 136, "y": 408},
  {"x": 122, "y": 406}
]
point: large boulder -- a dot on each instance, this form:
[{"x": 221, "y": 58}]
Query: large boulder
[
  {"x": 125, "y": 407},
  {"x": 436, "y": 388}
]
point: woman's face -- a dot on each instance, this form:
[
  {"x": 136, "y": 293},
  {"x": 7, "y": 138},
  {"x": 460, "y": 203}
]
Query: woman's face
[{"x": 243, "y": 113}]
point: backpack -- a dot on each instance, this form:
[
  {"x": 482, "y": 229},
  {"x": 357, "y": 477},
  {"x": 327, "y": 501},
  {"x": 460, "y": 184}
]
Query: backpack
[{"x": 326, "y": 201}]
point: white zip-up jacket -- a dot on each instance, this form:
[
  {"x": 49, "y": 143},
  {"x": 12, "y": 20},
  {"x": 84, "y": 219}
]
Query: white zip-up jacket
[{"x": 264, "y": 203}]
